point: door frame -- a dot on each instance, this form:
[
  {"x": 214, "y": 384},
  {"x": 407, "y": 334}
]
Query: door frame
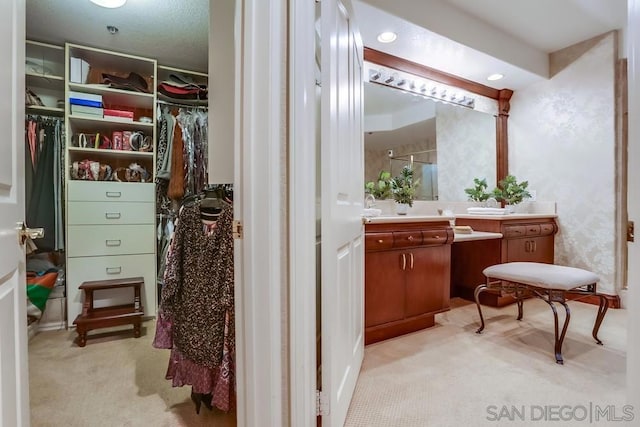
[
  {"x": 260, "y": 202},
  {"x": 302, "y": 213},
  {"x": 633, "y": 269}
]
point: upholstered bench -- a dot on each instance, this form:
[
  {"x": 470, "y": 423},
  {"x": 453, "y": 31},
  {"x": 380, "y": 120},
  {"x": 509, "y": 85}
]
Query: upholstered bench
[{"x": 548, "y": 282}]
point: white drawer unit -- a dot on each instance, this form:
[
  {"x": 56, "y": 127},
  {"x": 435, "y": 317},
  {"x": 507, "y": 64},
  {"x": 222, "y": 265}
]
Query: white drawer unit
[
  {"x": 110, "y": 225},
  {"x": 111, "y": 267},
  {"x": 88, "y": 191},
  {"x": 97, "y": 240},
  {"x": 109, "y": 213}
]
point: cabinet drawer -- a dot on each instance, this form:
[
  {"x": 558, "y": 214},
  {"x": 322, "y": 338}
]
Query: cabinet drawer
[
  {"x": 547, "y": 229},
  {"x": 83, "y": 269},
  {"x": 94, "y": 240},
  {"x": 513, "y": 231},
  {"x": 85, "y": 213},
  {"x": 378, "y": 241},
  {"x": 532, "y": 230},
  {"x": 403, "y": 239},
  {"x": 110, "y": 191},
  {"x": 434, "y": 237}
]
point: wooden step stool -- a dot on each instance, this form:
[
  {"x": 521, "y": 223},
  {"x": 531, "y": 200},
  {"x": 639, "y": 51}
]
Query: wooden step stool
[{"x": 105, "y": 317}]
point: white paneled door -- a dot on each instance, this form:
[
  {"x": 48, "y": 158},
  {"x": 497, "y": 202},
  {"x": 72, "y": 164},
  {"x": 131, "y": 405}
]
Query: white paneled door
[
  {"x": 342, "y": 175},
  {"x": 14, "y": 384}
]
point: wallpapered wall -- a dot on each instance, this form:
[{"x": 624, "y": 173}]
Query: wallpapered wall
[
  {"x": 466, "y": 150},
  {"x": 562, "y": 140}
]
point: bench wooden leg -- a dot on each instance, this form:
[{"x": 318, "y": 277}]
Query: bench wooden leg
[
  {"x": 602, "y": 310},
  {"x": 476, "y": 295},
  {"x": 136, "y": 329},
  {"x": 82, "y": 337}
]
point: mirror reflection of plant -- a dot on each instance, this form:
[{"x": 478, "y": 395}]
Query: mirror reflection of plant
[
  {"x": 511, "y": 191},
  {"x": 382, "y": 188},
  {"x": 479, "y": 192},
  {"x": 403, "y": 186}
]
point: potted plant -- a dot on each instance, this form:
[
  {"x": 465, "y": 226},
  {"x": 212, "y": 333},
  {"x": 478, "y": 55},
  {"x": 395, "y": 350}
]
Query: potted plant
[
  {"x": 403, "y": 188},
  {"x": 511, "y": 192},
  {"x": 382, "y": 188},
  {"x": 479, "y": 192}
]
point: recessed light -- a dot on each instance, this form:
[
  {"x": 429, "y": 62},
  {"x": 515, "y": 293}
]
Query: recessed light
[
  {"x": 387, "y": 37},
  {"x": 111, "y": 4},
  {"x": 496, "y": 76}
]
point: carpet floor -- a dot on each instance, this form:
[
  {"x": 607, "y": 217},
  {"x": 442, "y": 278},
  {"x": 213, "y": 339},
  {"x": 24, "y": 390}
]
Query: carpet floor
[
  {"x": 448, "y": 375},
  {"x": 116, "y": 380},
  {"x": 442, "y": 376}
]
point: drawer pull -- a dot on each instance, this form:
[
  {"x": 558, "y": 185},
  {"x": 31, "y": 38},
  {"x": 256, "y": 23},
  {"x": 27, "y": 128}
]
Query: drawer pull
[
  {"x": 114, "y": 270},
  {"x": 410, "y": 238},
  {"x": 113, "y": 242},
  {"x": 436, "y": 237},
  {"x": 114, "y": 194},
  {"x": 112, "y": 215},
  {"x": 380, "y": 241}
]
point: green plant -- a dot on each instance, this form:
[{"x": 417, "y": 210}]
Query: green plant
[
  {"x": 382, "y": 188},
  {"x": 479, "y": 192},
  {"x": 403, "y": 187},
  {"x": 511, "y": 191}
]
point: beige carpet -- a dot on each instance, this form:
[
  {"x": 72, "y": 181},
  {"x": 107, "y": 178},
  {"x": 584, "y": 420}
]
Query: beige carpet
[
  {"x": 115, "y": 380},
  {"x": 448, "y": 375}
]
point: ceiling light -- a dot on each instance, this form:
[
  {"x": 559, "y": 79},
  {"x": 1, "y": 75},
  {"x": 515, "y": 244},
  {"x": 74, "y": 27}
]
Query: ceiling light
[
  {"x": 387, "y": 37},
  {"x": 111, "y": 4},
  {"x": 496, "y": 76}
]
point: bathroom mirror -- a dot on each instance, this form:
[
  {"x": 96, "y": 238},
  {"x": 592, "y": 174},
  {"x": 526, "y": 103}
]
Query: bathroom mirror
[{"x": 449, "y": 144}]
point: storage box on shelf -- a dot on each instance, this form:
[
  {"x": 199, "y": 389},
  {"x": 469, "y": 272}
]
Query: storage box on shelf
[
  {"x": 110, "y": 221},
  {"x": 44, "y": 74}
]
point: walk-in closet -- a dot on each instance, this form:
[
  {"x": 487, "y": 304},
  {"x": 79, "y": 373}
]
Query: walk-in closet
[{"x": 130, "y": 274}]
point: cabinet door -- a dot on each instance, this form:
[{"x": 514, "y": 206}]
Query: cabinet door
[
  {"x": 535, "y": 249},
  {"x": 542, "y": 249},
  {"x": 427, "y": 280},
  {"x": 384, "y": 287}
]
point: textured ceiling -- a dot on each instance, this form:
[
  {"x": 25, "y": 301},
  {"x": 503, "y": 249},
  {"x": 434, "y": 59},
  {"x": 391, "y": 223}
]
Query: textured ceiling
[
  {"x": 469, "y": 38},
  {"x": 175, "y": 32}
]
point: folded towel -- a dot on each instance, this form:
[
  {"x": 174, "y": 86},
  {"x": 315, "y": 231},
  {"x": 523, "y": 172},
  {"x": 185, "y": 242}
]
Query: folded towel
[
  {"x": 487, "y": 211},
  {"x": 371, "y": 212}
]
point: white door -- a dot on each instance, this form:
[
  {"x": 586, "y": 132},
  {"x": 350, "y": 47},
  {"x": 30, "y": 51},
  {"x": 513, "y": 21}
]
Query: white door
[
  {"x": 14, "y": 384},
  {"x": 342, "y": 176}
]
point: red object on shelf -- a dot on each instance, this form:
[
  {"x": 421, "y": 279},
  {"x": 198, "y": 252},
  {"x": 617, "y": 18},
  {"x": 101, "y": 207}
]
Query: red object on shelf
[{"x": 118, "y": 113}]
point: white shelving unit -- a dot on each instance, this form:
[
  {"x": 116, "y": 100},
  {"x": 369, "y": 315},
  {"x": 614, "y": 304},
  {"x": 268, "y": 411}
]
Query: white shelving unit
[
  {"x": 110, "y": 225},
  {"x": 44, "y": 75}
]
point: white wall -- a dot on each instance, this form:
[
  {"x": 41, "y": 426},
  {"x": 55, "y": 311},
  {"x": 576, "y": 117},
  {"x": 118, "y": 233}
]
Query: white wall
[{"x": 562, "y": 140}]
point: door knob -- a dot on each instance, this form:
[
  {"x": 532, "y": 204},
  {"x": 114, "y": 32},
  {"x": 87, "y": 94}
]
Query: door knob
[{"x": 32, "y": 233}]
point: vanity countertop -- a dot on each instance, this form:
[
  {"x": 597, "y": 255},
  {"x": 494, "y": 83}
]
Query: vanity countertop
[
  {"x": 507, "y": 217},
  {"x": 401, "y": 219},
  {"x": 475, "y": 235}
]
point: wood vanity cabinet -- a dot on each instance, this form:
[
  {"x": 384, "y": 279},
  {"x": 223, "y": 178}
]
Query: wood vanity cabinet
[
  {"x": 407, "y": 277},
  {"x": 524, "y": 239}
]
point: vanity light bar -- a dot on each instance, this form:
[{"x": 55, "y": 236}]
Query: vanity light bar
[{"x": 418, "y": 85}]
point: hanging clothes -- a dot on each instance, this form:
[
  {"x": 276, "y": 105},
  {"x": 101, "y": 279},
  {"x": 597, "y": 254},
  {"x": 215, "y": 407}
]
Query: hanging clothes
[
  {"x": 44, "y": 180},
  {"x": 196, "y": 315}
]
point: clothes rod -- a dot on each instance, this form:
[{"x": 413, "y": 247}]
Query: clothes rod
[{"x": 178, "y": 104}]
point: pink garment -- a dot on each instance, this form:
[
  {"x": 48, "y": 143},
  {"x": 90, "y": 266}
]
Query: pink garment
[{"x": 218, "y": 382}]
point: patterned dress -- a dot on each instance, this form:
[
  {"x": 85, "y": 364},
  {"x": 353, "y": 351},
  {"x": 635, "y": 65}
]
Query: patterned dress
[{"x": 196, "y": 316}]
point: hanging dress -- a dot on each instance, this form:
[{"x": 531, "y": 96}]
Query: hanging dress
[{"x": 196, "y": 317}]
